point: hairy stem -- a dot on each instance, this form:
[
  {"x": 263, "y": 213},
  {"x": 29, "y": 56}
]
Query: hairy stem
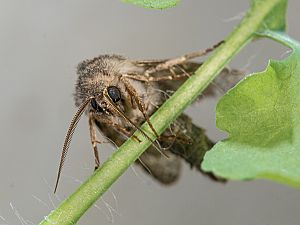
[{"x": 74, "y": 207}]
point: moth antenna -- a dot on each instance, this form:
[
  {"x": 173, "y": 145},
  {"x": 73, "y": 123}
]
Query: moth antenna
[
  {"x": 133, "y": 124},
  {"x": 69, "y": 136}
]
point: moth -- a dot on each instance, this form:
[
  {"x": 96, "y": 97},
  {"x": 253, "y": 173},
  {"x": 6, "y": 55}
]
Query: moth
[{"x": 118, "y": 95}]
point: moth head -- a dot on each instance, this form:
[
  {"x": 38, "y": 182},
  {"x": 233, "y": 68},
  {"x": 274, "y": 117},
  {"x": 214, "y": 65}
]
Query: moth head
[
  {"x": 99, "y": 80},
  {"x": 101, "y": 103}
]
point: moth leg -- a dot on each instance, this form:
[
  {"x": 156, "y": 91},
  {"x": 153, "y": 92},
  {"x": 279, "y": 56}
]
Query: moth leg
[
  {"x": 172, "y": 76},
  {"x": 119, "y": 128},
  {"x": 176, "y": 61},
  {"x": 93, "y": 136},
  {"x": 174, "y": 137},
  {"x": 139, "y": 103},
  {"x": 181, "y": 69},
  {"x": 162, "y": 77}
]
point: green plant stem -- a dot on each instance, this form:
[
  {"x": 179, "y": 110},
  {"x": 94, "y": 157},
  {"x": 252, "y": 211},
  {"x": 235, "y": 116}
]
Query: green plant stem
[{"x": 74, "y": 207}]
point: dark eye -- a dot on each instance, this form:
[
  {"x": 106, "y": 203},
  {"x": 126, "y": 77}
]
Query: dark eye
[
  {"x": 114, "y": 93},
  {"x": 96, "y": 106}
]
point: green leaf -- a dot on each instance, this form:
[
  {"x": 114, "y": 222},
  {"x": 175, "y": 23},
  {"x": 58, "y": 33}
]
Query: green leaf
[
  {"x": 275, "y": 20},
  {"x": 154, "y": 4},
  {"x": 262, "y": 116}
]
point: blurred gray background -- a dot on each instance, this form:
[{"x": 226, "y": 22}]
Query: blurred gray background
[{"x": 41, "y": 44}]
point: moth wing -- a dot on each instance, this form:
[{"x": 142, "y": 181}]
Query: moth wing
[
  {"x": 165, "y": 170},
  {"x": 189, "y": 142}
]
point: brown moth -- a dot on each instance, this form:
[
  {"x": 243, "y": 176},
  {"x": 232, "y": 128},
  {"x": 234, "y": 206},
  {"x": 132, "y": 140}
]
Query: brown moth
[{"x": 119, "y": 94}]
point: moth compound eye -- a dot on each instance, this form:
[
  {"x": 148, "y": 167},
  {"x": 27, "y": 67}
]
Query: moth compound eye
[
  {"x": 114, "y": 93},
  {"x": 96, "y": 106}
]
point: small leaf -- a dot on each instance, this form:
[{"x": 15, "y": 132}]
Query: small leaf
[
  {"x": 262, "y": 116},
  {"x": 154, "y": 4}
]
